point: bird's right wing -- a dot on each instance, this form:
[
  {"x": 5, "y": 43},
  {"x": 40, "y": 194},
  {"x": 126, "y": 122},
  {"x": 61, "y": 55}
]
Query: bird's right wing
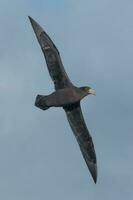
[
  {"x": 77, "y": 123},
  {"x": 52, "y": 56}
]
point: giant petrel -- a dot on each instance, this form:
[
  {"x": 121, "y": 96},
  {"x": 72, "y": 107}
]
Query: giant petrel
[{"x": 67, "y": 96}]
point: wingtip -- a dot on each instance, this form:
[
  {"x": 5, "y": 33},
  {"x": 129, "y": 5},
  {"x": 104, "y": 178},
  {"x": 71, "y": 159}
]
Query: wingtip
[
  {"x": 36, "y": 27},
  {"x": 30, "y": 18},
  {"x": 93, "y": 171},
  {"x": 94, "y": 179},
  {"x": 32, "y": 21}
]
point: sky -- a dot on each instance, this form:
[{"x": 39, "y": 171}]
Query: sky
[{"x": 39, "y": 156}]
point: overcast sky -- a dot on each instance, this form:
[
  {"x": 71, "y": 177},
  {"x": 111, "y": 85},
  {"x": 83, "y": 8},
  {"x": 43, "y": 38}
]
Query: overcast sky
[{"x": 39, "y": 156}]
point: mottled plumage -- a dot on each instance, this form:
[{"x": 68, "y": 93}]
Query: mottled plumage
[{"x": 66, "y": 95}]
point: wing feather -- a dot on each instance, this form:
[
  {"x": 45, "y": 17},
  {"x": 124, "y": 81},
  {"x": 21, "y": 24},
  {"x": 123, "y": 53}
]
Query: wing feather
[
  {"x": 84, "y": 139},
  {"x": 52, "y": 57}
]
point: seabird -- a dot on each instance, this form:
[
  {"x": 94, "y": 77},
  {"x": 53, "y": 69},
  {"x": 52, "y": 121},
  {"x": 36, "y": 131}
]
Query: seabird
[{"x": 67, "y": 96}]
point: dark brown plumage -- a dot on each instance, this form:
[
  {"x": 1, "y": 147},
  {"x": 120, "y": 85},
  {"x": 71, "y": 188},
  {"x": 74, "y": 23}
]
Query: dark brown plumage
[{"x": 66, "y": 95}]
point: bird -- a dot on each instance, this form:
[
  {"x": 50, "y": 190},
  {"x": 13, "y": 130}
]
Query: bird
[{"x": 66, "y": 96}]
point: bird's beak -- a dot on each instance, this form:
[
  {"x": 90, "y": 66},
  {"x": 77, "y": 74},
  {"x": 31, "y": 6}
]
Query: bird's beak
[{"x": 92, "y": 91}]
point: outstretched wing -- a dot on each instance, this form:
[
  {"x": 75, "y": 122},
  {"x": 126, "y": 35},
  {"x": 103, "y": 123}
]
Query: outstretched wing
[
  {"x": 77, "y": 123},
  {"x": 52, "y": 56}
]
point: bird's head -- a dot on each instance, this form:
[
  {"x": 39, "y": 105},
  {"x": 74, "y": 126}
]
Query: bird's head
[{"x": 88, "y": 90}]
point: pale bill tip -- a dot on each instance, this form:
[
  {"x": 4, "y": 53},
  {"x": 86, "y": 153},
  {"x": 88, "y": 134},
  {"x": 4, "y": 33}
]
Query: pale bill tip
[{"x": 92, "y": 91}]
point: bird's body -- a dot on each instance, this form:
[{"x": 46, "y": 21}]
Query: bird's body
[
  {"x": 61, "y": 97},
  {"x": 66, "y": 95}
]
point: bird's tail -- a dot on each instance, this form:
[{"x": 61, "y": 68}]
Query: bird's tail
[{"x": 41, "y": 102}]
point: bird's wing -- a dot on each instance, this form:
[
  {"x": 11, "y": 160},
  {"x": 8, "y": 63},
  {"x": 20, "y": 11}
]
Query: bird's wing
[
  {"x": 52, "y": 56},
  {"x": 77, "y": 123}
]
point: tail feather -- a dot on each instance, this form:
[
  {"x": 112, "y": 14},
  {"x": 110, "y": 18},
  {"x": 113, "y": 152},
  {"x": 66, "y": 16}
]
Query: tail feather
[{"x": 41, "y": 102}]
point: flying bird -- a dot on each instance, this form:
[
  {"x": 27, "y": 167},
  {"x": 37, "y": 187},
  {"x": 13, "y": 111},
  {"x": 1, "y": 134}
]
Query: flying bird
[{"x": 67, "y": 96}]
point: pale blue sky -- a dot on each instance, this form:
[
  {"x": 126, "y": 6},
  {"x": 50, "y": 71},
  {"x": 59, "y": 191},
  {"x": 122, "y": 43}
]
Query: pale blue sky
[{"x": 39, "y": 156}]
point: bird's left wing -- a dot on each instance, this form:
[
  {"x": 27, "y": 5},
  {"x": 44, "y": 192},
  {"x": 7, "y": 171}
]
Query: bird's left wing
[
  {"x": 77, "y": 123},
  {"x": 52, "y": 56}
]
